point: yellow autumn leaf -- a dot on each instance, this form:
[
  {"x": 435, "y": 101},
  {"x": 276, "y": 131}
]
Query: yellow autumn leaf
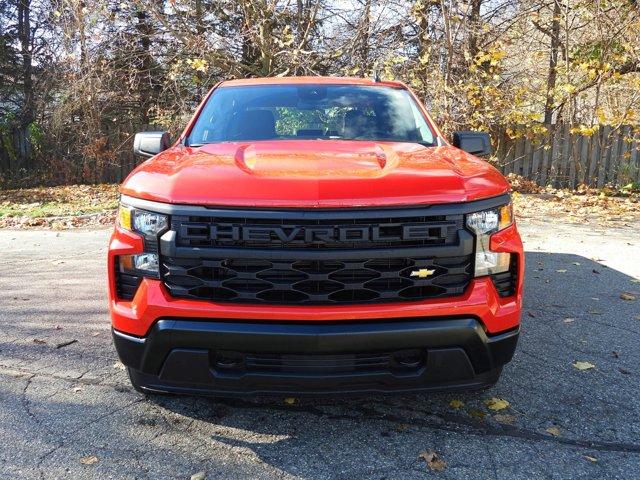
[
  {"x": 198, "y": 64},
  {"x": 89, "y": 460},
  {"x": 496, "y": 403},
  {"x": 583, "y": 365},
  {"x": 555, "y": 431},
  {"x": 290, "y": 401},
  {"x": 476, "y": 413},
  {"x": 455, "y": 403},
  {"x": 627, "y": 296}
]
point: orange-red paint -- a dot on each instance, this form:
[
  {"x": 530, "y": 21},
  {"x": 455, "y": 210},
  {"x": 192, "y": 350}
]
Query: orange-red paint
[{"x": 314, "y": 173}]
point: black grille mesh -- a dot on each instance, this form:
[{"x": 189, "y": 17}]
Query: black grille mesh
[
  {"x": 506, "y": 282},
  {"x": 316, "y": 281},
  {"x": 126, "y": 283}
]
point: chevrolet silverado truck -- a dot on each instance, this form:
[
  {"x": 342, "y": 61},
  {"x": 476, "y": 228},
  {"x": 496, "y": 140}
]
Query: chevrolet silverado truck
[{"x": 314, "y": 236}]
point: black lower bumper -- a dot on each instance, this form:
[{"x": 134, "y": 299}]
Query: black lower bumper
[{"x": 229, "y": 358}]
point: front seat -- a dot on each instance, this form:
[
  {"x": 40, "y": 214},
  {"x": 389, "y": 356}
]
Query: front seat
[
  {"x": 357, "y": 124},
  {"x": 254, "y": 125}
]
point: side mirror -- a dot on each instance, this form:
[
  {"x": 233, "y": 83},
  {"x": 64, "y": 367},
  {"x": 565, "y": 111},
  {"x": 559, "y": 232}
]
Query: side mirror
[
  {"x": 476, "y": 143},
  {"x": 149, "y": 144}
]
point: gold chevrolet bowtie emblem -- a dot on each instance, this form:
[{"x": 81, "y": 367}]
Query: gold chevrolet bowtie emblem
[{"x": 422, "y": 273}]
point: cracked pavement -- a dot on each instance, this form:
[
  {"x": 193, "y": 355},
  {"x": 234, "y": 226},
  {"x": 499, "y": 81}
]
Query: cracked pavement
[{"x": 62, "y": 404}]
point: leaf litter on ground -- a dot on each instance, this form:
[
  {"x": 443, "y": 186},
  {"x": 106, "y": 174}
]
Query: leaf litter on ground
[
  {"x": 89, "y": 460},
  {"x": 583, "y": 365},
  {"x": 434, "y": 462},
  {"x": 496, "y": 403}
]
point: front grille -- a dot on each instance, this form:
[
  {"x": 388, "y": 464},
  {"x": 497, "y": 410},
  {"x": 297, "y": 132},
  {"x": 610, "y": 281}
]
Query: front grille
[
  {"x": 289, "y": 257},
  {"x": 336, "y": 281},
  {"x": 400, "y": 362}
]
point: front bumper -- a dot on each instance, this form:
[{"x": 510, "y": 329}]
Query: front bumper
[
  {"x": 260, "y": 358},
  {"x": 153, "y": 301}
]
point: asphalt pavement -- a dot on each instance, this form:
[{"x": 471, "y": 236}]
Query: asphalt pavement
[{"x": 68, "y": 411}]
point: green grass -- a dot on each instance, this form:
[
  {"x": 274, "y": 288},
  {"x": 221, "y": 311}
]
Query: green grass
[
  {"x": 71, "y": 200},
  {"x": 53, "y": 209}
]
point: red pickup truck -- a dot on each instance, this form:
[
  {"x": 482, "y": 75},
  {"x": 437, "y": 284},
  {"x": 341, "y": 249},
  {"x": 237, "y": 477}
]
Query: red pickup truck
[{"x": 314, "y": 236}]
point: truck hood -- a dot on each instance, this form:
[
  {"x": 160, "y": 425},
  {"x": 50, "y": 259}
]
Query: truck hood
[{"x": 314, "y": 173}]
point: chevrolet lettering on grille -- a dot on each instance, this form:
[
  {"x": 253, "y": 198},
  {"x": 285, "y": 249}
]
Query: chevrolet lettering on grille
[{"x": 229, "y": 233}]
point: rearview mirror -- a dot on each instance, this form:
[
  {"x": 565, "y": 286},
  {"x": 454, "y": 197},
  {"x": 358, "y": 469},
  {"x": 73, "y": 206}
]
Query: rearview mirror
[
  {"x": 149, "y": 144},
  {"x": 475, "y": 143}
]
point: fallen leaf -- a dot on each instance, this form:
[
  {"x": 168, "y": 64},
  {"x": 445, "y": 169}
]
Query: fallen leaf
[
  {"x": 505, "y": 418},
  {"x": 290, "y": 401},
  {"x": 89, "y": 460},
  {"x": 119, "y": 365},
  {"x": 583, "y": 365},
  {"x": 198, "y": 476},
  {"x": 402, "y": 427},
  {"x": 591, "y": 459},
  {"x": 555, "y": 431},
  {"x": 595, "y": 271},
  {"x": 496, "y": 404},
  {"x": 561, "y": 270},
  {"x": 627, "y": 296},
  {"x": 38, "y": 341},
  {"x": 615, "y": 354},
  {"x": 66, "y": 344},
  {"x": 577, "y": 264},
  {"x": 434, "y": 462},
  {"x": 477, "y": 413},
  {"x": 569, "y": 320},
  {"x": 455, "y": 403},
  {"x": 624, "y": 371},
  {"x": 531, "y": 314}
]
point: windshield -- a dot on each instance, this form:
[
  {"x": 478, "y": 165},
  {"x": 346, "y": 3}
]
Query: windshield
[{"x": 282, "y": 112}]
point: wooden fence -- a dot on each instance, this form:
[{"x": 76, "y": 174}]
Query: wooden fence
[
  {"x": 559, "y": 158},
  {"x": 611, "y": 156},
  {"x": 108, "y": 159}
]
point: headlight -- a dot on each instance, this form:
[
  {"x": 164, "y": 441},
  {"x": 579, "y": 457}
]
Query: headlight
[
  {"x": 142, "y": 264},
  {"x": 149, "y": 224},
  {"x": 484, "y": 224},
  {"x": 490, "y": 221}
]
